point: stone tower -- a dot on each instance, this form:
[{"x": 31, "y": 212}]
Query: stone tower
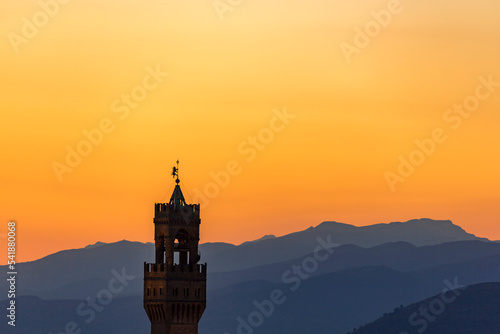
[{"x": 175, "y": 285}]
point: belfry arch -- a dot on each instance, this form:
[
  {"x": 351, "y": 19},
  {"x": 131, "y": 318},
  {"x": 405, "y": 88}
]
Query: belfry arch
[{"x": 181, "y": 247}]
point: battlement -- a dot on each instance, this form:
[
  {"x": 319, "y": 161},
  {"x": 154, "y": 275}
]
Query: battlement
[
  {"x": 161, "y": 269},
  {"x": 166, "y": 210}
]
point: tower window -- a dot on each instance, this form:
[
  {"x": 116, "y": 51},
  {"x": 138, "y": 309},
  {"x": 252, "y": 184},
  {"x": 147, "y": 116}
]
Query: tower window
[
  {"x": 160, "y": 292},
  {"x": 186, "y": 292}
]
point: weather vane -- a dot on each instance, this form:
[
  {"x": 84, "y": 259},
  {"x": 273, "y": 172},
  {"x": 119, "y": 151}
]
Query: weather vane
[{"x": 175, "y": 173}]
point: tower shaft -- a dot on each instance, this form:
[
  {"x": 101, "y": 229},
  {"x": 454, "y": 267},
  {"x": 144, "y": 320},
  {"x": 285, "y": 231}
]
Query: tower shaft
[{"x": 175, "y": 285}]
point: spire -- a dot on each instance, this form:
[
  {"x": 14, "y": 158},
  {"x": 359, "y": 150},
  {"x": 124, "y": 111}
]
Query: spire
[{"x": 177, "y": 196}]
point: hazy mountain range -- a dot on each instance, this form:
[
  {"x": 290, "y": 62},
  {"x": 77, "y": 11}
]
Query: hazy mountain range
[
  {"x": 76, "y": 273},
  {"x": 349, "y": 276}
]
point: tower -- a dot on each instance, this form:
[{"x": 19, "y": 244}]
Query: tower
[{"x": 175, "y": 285}]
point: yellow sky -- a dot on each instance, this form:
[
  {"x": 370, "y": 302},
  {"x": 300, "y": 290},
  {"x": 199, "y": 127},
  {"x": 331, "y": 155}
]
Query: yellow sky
[{"x": 350, "y": 119}]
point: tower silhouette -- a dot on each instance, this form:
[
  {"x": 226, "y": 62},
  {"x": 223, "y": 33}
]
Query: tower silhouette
[{"x": 175, "y": 285}]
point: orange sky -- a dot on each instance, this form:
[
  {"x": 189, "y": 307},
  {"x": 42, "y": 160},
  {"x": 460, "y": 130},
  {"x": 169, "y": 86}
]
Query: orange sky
[{"x": 350, "y": 121}]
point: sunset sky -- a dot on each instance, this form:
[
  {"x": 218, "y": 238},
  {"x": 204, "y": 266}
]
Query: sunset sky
[{"x": 345, "y": 119}]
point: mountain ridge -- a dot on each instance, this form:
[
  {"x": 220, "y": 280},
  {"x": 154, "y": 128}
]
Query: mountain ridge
[
  {"x": 338, "y": 226},
  {"x": 71, "y": 273}
]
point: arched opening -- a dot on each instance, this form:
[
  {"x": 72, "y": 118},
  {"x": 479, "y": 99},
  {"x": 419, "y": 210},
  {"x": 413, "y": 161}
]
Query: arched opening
[{"x": 181, "y": 248}]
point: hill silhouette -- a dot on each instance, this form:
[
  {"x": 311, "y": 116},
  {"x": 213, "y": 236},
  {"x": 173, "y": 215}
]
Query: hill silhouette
[{"x": 473, "y": 310}]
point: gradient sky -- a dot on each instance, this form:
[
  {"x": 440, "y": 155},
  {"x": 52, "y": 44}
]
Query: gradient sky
[{"x": 226, "y": 79}]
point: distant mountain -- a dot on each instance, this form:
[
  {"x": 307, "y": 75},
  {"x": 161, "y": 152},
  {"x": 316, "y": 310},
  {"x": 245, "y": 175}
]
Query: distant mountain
[
  {"x": 76, "y": 273},
  {"x": 472, "y": 261},
  {"x": 454, "y": 258},
  {"x": 473, "y": 310},
  {"x": 419, "y": 232},
  {"x": 79, "y": 272},
  {"x": 270, "y": 249}
]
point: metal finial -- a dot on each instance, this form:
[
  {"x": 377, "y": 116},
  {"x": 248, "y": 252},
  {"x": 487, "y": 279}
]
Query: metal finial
[{"x": 175, "y": 172}]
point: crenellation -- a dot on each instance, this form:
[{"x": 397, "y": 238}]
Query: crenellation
[{"x": 166, "y": 210}]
